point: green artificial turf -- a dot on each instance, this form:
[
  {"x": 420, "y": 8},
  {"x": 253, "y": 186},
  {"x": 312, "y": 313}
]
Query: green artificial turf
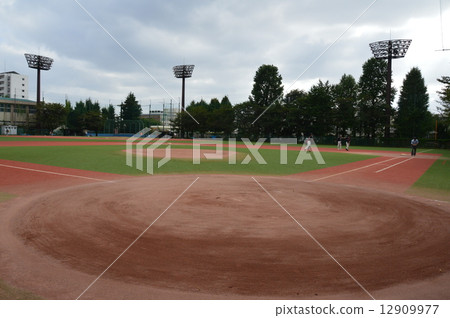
[
  {"x": 112, "y": 159},
  {"x": 93, "y": 158},
  {"x": 437, "y": 177}
]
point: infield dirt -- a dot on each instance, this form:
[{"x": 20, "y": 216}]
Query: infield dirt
[{"x": 225, "y": 238}]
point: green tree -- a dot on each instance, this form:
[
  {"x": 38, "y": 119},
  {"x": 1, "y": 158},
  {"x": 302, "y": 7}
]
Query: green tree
[
  {"x": 76, "y": 120},
  {"x": 244, "y": 115},
  {"x": 413, "y": 117},
  {"x": 320, "y": 108},
  {"x": 298, "y": 119},
  {"x": 214, "y": 104},
  {"x": 444, "y": 96},
  {"x": 200, "y": 112},
  {"x": 92, "y": 117},
  {"x": 222, "y": 116},
  {"x": 371, "y": 109},
  {"x": 111, "y": 112},
  {"x": 345, "y": 99},
  {"x": 109, "y": 119},
  {"x": 104, "y": 113},
  {"x": 51, "y": 115},
  {"x": 265, "y": 99},
  {"x": 267, "y": 86},
  {"x": 130, "y": 109},
  {"x": 93, "y": 120},
  {"x": 443, "y": 118}
]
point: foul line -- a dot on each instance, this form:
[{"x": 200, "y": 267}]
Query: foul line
[
  {"x": 314, "y": 239},
  {"x": 395, "y": 164},
  {"x": 55, "y": 173},
  {"x": 356, "y": 169},
  {"x": 129, "y": 246}
]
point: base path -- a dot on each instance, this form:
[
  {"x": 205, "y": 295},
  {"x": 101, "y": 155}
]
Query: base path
[
  {"x": 224, "y": 238},
  {"x": 21, "y": 178},
  {"x": 394, "y": 173}
]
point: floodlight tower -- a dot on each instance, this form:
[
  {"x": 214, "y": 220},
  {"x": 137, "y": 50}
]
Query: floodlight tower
[
  {"x": 389, "y": 49},
  {"x": 40, "y": 63},
  {"x": 183, "y": 72}
]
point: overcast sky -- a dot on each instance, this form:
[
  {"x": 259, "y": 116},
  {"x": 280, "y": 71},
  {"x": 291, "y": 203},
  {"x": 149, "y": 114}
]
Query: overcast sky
[{"x": 104, "y": 49}]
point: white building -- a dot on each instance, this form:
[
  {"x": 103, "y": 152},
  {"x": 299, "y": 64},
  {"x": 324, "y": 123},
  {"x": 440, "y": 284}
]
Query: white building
[
  {"x": 13, "y": 85},
  {"x": 17, "y": 112},
  {"x": 165, "y": 116}
]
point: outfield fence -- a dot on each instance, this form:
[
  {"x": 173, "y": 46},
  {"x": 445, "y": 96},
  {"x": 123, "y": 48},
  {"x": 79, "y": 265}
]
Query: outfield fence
[{"x": 392, "y": 142}]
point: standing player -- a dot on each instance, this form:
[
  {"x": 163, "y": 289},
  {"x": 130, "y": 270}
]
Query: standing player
[
  {"x": 308, "y": 143},
  {"x": 414, "y": 144},
  {"x": 347, "y": 142},
  {"x": 339, "y": 142}
]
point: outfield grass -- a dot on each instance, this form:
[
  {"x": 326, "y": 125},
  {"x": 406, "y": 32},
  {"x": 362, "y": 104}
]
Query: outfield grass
[
  {"x": 437, "y": 177},
  {"x": 93, "y": 158},
  {"x": 112, "y": 159},
  {"x": 272, "y": 167}
]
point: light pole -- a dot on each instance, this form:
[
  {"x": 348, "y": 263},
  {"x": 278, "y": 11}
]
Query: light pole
[
  {"x": 389, "y": 49},
  {"x": 183, "y": 72},
  {"x": 40, "y": 63}
]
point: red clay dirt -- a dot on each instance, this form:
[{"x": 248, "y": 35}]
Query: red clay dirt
[
  {"x": 225, "y": 237},
  {"x": 399, "y": 175}
]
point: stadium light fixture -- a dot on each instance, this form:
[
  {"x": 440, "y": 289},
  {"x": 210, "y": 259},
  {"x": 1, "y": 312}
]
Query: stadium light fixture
[
  {"x": 183, "y": 72},
  {"x": 40, "y": 63},
  {"x": 388, "y": 50}
]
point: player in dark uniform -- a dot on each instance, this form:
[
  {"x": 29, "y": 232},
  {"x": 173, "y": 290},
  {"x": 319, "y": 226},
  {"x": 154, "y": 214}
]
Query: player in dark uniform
[
  {"x": 339, "y": 142},
  {"x": 414, "y": 144}
]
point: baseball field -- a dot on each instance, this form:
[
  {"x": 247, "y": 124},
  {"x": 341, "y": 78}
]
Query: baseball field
[{"x": 77, "y": 222}]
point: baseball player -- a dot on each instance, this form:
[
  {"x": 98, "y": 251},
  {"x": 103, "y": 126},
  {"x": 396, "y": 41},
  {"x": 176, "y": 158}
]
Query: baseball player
[{"x": 414, "y": 144}]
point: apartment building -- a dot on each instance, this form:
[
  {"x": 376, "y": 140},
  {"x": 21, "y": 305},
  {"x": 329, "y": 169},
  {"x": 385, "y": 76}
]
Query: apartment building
[{"x": 13, "y": 85}]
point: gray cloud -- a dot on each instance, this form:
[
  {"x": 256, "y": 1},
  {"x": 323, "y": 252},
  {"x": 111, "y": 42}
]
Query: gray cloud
[{"x": 226, "y": 40}]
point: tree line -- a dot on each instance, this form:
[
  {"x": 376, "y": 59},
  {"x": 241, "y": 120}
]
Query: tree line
[
  {"x": 90, "y": 116},
  {"x": 349, "y": 107},
  {"x": 356, "y": 107}
]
